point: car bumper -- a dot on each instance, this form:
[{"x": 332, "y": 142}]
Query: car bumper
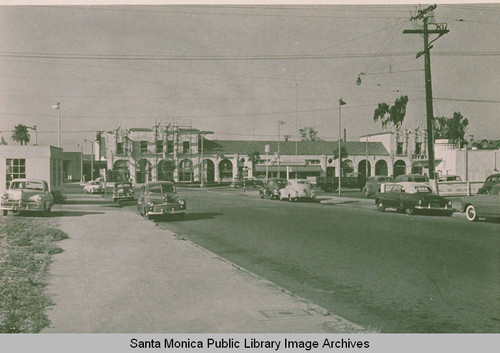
[
  {"x": 123, "y": 197},
  {"x": 24, "y": 206},
  {"x": 164, "y": 210},
  {"x": 435, "y": 208}
]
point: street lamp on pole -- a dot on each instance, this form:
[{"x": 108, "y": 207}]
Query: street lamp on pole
[
  {"x": 341, "y": 103},
  {"x": 280, "y": 122},
  {"x": 36, "y": 133},
  {"x": 201, "y": 168},
  {"x": 91, "y": 158},
  {"x": 58, "y": 107}
]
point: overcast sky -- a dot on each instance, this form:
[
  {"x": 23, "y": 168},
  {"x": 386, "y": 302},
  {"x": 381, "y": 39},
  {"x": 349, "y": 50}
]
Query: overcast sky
[{"x": 237, "y": 71}]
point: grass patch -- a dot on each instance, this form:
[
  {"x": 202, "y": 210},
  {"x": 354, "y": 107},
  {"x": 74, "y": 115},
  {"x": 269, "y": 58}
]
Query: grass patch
[{"x": 26, "y": 248}]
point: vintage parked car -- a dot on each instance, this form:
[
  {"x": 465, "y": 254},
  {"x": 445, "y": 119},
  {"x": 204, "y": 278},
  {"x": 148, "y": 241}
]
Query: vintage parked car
[
  {"x": 444, "y": 178},
  {"x": 271, "y": 188},
  {"x": 412, "y": 197},
  {"x": 373, "y": 183},
  {"x": 415, "y": 178},
  {"x": 27, "y": 195},
  {"x": 482, "y": 205},
  {"x": 160, "y": 198},
  {"x": 296, "y": 189},
  {"x": 93, "y": 187},
  {"x": 489, "y": 182},
  {"x": 123, "y": 191}
]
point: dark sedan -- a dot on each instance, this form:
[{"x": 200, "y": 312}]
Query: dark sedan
[
  {"x": 412, "y": 197},
  {"x": 482, "y": 205},
  {"x": 489, "y": 182},
  {"x": 160, "y": 198},
  {"x": 271, "y": 188},
  {"x": 123, "y": 191}
]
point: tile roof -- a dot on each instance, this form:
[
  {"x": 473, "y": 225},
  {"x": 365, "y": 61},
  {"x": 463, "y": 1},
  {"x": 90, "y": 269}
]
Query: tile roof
[{"x": 288, "y": 148}]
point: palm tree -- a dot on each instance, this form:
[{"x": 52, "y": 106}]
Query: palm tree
[{"x": 21, "y": 134}]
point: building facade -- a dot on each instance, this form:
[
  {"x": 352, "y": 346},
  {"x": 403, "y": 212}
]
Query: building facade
[
  {"x": 185, "y": 155},
  {"x": 407, "y": 149},
  {"x": 32, "y": 162}
]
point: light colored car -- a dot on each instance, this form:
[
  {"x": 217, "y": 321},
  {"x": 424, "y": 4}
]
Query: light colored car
[
  {"x": 296, "y": 189},
  {"x": 482, "y": 205},
  {"x": 27, "y": 195},
  {"x": 160, "y": 198},
  {"x": 93, "y": 187},
  {"x": 372, "y": 185}
]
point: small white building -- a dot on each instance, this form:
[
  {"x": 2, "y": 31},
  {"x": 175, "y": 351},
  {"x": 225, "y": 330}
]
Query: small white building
[
  {"x": 471, "y": 164},
  {"x": 32, "y": 162}
]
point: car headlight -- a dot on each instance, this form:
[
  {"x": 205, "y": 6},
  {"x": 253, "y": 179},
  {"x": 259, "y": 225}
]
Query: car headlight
[
  {"x": 5, "y": 196},
  {"x": 37, "y": 198},
  {"x": 450, "y": 203},
  {"x": 420, "y": 202},
  {"x": 150, "y": 203}
]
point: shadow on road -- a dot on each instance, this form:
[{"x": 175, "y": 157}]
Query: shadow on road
[
  {"x": 55, "y": 214},
  {"x": 88, "y": 202},
  {"x": 188, "y": 217}
]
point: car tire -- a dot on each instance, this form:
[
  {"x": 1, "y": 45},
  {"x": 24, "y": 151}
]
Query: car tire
[
  {"x": 470, "y": 213},
  {"x": 5, "y": 212},
  {"x": 380, "y": 206},
  {"x": 410, "y": 211}
]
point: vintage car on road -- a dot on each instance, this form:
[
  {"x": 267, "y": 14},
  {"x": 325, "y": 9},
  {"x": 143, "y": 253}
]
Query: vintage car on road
[
  {"x": 482, "y": 205},
  {"x": 412, "y": 197},
  {"x": 93, "y": 187},
  {"x": 123, "y": 191},
  {"x": 160, "y": 198},
  {"x": 296, "y": 189},
  {"x": 373, "y": 183},
  {"x": 489, "y": 182},
  {"x": 271, "y": 188},
  {"x": 414, "y": 178},
  {"x": 27, "y": 195}
]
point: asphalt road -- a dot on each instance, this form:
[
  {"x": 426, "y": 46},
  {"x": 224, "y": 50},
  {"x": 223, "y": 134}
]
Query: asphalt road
[{"x": 386, "y": 271}]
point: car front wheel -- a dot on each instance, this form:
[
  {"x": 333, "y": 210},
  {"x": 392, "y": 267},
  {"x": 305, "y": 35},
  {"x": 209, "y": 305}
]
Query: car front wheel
[
  {"x": 470, "y": 213},
  {"x": 409, "y": 211}
]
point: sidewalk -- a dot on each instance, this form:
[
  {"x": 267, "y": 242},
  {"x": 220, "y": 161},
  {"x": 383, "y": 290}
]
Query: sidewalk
[{"x": 119, "y": 273}]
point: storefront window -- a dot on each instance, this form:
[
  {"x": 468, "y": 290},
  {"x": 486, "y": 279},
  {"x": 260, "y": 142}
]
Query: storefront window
[{"x": 15, "y": 168}]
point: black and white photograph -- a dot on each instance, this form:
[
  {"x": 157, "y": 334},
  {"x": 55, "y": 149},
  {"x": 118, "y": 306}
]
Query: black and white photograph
[{"x": 250, "y": 168}]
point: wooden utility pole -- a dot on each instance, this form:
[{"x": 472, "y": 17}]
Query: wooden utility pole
[{"x": 440, "y": 30}]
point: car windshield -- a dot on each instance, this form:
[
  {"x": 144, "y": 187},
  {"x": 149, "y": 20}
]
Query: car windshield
[
  {"x": 27, "y": 185},
  {"x": 423, "y": 189},
  {"x": 161, "y": 189},
  {"x": 418, "y": 179},
  {"x": 384, "y": 179}
]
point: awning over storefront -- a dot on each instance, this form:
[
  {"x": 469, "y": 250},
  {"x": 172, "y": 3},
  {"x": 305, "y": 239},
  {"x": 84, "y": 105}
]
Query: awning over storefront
[{"x": 291, "y": 168}]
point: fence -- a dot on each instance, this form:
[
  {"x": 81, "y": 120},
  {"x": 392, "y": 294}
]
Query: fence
[{"x": 458, "y": 188}]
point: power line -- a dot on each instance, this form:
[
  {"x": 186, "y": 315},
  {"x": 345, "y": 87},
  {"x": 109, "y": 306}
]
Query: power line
[
  {"x": 196, "y": 57},
  {"x": 212, "y": 13}
]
